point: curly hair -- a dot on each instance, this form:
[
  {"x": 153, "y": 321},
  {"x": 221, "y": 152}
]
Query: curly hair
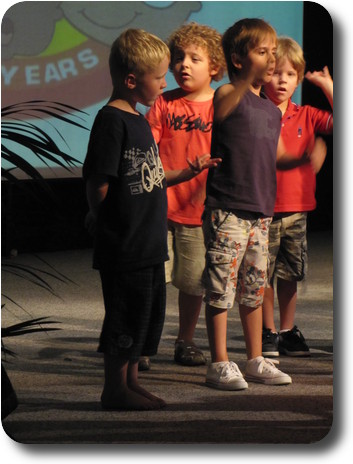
[
  {"x": 289, "y": 48},
  {"x": 202, "y": 36}
]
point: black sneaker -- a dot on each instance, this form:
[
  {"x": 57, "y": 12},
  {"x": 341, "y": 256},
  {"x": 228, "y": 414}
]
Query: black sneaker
[
  {"x": 292, "y": 343},
  {"x": 269, "y": 343}
]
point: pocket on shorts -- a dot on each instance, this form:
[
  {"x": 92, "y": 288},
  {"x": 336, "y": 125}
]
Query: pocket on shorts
[{"x": 217, "y": 272}]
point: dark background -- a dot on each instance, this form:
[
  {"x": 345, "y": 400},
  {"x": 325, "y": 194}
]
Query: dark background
[
  {"x": 318, "y": 52},
  {"x": 33, "y": 222}
]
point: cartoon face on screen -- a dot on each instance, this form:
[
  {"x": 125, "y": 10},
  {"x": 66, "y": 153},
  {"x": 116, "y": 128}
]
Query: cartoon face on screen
[
  {"x": 59, "y": 50},
  {"x": 104, "y": 21},
  {"x": 28, "y": 28}
]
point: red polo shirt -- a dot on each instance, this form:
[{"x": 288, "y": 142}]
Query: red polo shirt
[{"x": 296, "y": 187}]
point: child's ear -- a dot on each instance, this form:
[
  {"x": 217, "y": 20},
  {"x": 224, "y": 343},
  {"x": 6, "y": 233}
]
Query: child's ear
[
  {"x": 214, "y": 71},
  {"x": 236, "y": 61},
  {"x": 130, "y": 81}
]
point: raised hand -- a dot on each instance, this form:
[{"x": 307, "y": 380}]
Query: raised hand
[{"x": 202, "y": 162}]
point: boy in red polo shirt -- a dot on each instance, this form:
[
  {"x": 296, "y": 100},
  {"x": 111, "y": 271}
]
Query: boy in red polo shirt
[{"x": 295, "y": 196}]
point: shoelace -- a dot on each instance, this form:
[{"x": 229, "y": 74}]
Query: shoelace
[
  {"x": 230, "y": 369},
  {"x": 295, "y": 331},
  {"x": 270, "y": 336},
  {"x": 267, "y": 365}
]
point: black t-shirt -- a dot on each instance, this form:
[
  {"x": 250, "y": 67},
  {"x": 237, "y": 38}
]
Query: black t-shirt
[{"x": 132, "y": 221}]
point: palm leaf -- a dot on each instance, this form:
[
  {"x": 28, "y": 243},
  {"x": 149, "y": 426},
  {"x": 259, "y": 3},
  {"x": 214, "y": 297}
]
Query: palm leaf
[
  {"x": 29, "y": 326},
  {"x": 17, "y": 129},
  {"x": 24, "y": 328},
  {"x": 6, "y": 297},
  {"x": 30, "y": 109},
  {"x": 34, "y": 274},
  {"x": 37, "y": 141}
]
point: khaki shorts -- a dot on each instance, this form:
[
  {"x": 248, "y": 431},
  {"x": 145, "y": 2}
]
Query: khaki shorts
[
  {"x": 186, "y": 251},
  {"x": 288, "y": 247},
  {"x": 236, "y": 259}
]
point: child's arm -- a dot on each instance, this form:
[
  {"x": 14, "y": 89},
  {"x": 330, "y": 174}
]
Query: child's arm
[
  {"x": 287, "y": 160},
  {"x": 227, "y": 98},
  {"x": 318, "y": 154},
  {"x": 96, "y": 191},
  {"x": 314, "y": 154},
  {"x": 324, "y": 81},
  {"x": 201, "y": 163}
]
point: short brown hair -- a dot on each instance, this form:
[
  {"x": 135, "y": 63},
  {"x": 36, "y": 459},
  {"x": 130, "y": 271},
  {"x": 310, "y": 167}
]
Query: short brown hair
[
  {"x": 136, "y": 51},
  {"x": 243, "y": 36},
  {"x": 202, "y": 36},
  {"x": 289, "y": 48}
]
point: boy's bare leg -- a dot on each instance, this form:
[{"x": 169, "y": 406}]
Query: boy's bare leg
[
  {"x": 216, "y": 321},
  {"x": 251, "y": 319},
  {"x": 133, "y": 384},
  {"x": 116, "y": 393},
  {"x": 287, "y": 300},
  {"x": 189, "y": 312},
  {"x": 268, "y": 309}
]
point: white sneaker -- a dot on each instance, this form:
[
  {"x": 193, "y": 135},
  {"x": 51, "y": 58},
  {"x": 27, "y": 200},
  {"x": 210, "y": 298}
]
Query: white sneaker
[
  {"x": 225, "y": 375},
  {"x": 263, "y": 370}
]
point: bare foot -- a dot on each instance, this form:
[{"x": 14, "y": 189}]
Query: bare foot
[
  {"x": 155, "y": 399},
  {"x": 127, "y": 400}
]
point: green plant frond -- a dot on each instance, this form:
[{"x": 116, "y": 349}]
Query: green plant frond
[
  {"x": 20, "y": 163},
  {"x": 44, "y": 153},
  {"x": 36, "y": 140},
  {"x": 11, "y": 128},
  {"x": 17, "y": 128},
  {"x": 33, "y": 270},
  {"x": 5, "y": 351},
  {"x": 27, "y": 331},
  {"x": 34, "y": 108},
  {"x": 63, "y": 118},
  {"x": 33, "y": 275},
  {"x": 42, "y": 106},
  {"x": 13, "y": 302},
  {"x": 20, "y": 124},
  {"x": 6, "y": 174},
  {"x": 64, "y": 277},
  {"x": 25, "y": 328},
  {"x": 28, "y": 326},
  {"x": 32, "y": 322},
  {"x": 39, "y": 104},
  {"x": 32, "y": 278}
]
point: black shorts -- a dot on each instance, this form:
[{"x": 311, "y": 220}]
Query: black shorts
[{"x": 134, "y": 311}]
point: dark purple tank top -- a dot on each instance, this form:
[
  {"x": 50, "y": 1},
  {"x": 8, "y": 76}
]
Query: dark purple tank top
[{"x": 247, "y": 143}]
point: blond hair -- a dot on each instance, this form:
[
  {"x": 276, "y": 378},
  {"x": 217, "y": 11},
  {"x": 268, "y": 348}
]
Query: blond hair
[
  {"x": 135, "y": 51},
  {"x": 243, "y": 36},
  {"x": 289, "y": 48},
  {"x": 202, "y": 36}
]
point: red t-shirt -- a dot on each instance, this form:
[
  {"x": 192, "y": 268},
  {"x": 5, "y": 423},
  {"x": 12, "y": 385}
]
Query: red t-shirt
[
  {"x": 182, "y": 129},
  {"x": 296, "y": 187}
]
